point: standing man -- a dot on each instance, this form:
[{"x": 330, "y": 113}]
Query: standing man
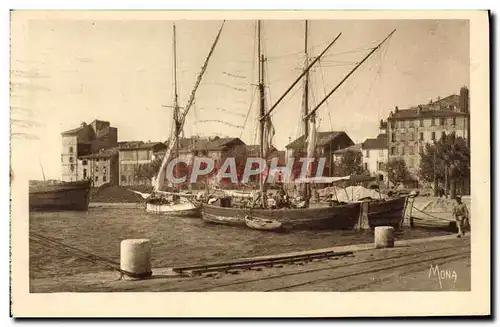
[{"x": 461, "y": 215}]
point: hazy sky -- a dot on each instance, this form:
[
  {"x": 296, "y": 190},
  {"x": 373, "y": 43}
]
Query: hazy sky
[{"x": 69, "y": 71}]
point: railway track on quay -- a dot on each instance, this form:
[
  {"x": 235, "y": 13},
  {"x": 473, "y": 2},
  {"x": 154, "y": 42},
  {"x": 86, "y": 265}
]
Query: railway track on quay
[{"x": 334, "y": 277}]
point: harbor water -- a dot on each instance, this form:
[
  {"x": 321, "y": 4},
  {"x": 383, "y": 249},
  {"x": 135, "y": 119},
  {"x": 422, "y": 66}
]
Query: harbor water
[{"x": 175, "y": 241}]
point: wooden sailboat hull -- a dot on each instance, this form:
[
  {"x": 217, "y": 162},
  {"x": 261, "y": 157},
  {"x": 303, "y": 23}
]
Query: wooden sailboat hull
[
  {"x": 73, "y": 196},
  {"x": 263, "y": 224},
  {"x": 388, "y": 212},
  {"x": 175, "y": 210},
  {"x": 339, "y": 217}
]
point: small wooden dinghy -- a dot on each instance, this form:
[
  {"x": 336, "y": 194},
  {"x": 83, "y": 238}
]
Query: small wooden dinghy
[{"x": 262, "y": 224}]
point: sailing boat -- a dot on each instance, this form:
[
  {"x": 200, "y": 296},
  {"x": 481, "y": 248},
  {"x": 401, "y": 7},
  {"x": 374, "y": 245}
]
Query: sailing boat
[
  {"x": 176, "y": 203},
  {"x": 331, "y": 217}
]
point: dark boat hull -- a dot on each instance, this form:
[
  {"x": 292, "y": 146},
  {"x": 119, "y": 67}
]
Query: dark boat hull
[
  {"x": 389, "y": 212},
  {"x": 73, "y": 196},
  {"x": 337, "y": 217}
]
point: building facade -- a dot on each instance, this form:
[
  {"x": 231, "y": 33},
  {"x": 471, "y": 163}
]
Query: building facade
[
  {"x": 375, "y": 156},
  {"x": 326, "y": 145},
  {"x": 101, "y": 168},
  {"x": 410, "y": 129},
  {"x": 82, "y": 141},
  {"x": 131, "y": 156}
]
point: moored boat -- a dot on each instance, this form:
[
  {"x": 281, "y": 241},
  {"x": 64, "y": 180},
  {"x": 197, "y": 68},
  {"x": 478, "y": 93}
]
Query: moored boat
[
  {"x": 335, "y": 217},
  {"x": 386, "y": 212},
  {"x": 262, "y": 224},
  {"x": 182, "y": 209},
  {"x": 60, "y": 196}
]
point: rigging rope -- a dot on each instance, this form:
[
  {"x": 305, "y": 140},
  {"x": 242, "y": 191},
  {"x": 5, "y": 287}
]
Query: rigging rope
[{"x": 326, "y": 103}]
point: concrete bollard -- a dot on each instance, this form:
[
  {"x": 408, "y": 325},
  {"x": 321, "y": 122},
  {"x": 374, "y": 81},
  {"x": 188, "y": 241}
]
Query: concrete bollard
[
  {"x": 384, "y": 237},
  {"x": 135, "y": 258}
]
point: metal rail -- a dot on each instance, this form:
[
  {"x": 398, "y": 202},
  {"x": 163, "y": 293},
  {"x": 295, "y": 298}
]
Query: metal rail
[
  {"x": 250, "y": 263},
  {"x": 297, "y": 273}
]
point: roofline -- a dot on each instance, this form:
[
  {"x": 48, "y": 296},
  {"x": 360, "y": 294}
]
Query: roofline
[{"x": 453, "y": 113}]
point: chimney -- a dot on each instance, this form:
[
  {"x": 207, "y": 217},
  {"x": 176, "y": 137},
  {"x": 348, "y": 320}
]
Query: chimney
[
  {"x": 396, "y": 109},
  {"x": 464, "y": 100}
]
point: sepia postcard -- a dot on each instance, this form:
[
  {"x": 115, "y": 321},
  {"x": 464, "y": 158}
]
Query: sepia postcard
[{"x": 203, "y": 163}]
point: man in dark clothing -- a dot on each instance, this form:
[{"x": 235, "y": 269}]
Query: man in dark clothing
[{"x": 461, "y": 214}]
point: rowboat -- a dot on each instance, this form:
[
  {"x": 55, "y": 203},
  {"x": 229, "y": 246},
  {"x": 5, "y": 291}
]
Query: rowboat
[
  {"x": 336, "y": 217},
  {"x": 436, "y": 224},
  {"x": 262, "y": 224},
  {"x": 60, "y": 196}
]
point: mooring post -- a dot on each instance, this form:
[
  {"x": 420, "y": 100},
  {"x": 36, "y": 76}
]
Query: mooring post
[
  {"x": 135, "y": 258},
  {"x": 384, "y": 237}
]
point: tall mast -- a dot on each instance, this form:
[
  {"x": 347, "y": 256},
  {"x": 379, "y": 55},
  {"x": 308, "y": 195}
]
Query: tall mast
[
  {"x": 176, "y": 102},
  {"x": 306, "y": 87},
  {"x": 182, "y": 116},
  {"x": 306, "y": 105},
  {"x": 262, "y": 111}
]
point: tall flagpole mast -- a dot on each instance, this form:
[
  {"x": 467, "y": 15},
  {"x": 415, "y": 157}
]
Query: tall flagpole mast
[
  {"x": 262, "y": 110},
  {"x": 176, "y": 103},
  {"x": 306, "y": 108}
]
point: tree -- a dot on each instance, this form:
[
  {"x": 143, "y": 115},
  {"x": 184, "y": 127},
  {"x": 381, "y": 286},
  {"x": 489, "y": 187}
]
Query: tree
[
  {"x": 149, "y": 170},
  {"x": 448, "y": 159},
  {"x": 351, "y": 163},
  {"x": 397, "y": 172}
]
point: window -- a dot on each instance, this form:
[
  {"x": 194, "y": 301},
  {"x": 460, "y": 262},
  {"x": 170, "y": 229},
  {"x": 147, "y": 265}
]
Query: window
[
  {"x": 454, "y": 121},
  {"x": 443, "y": 135},
  {"x": 411, "y": 163},
  {"x": 433, "y": 136},
  {"x": 380, "y": 153},
  {"x": 393, "y": 124},
  {"x": 84, "y": 162},
  {"x": 368, "y": 153},
  {"x": 97, "y": 178},
  {"x": 62, "y": 160},
  {"x": 72, "y": 167},
  {"x": 366, "y": 165},
  {"x": 124, "y": 178},
  {"x": 380, "y": 165},
  {"x": 393, "y": 137},
  {"x": 70, "y": 149},
  {"x": 394, "y": 151},
  {"x": 411, "y": 123},
  {"x": 104, "y": 178},
  {"x": 70, "y": 159},
  {"x": 403, "y": 150},
  {"x": 411, "y": 150},
  {"x": 85, "y": 174},
  {"x": 421, "y": 137},
  {"x": 433, "y": 122},
  {"x": 97, "y": 160},
  {"x": 421, "y": 122},
  {"x": 412, "y": 136},
  {"x": 96, "y": 168},
  {"x": 442, "y": 121}
]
